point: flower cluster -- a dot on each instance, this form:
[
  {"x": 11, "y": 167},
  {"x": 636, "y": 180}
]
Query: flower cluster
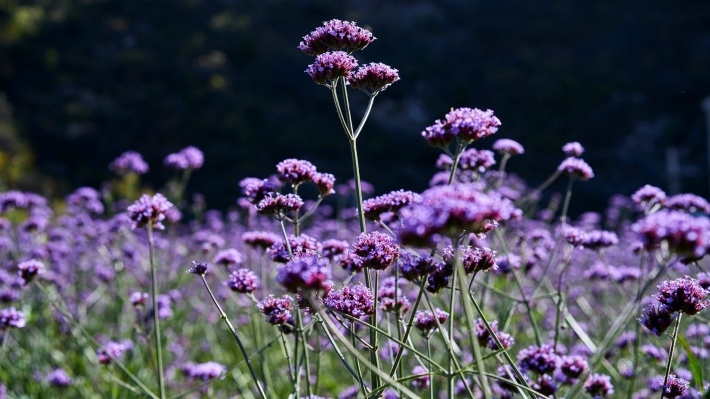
[
  {"x": 112, "y": 350},
  {"x": 11, "y": 318},
  {"x": 297, "y": 171},
  {"x": 308, "y": 272},
  {"x": 243, "y": 281},
  {"x": 426, "y": 321},
  {"x": 686, "y": 235},
  {"x": 149, "y": 210},
  {"x": 474, "y": 259},
  {"x": 187, "y": 158},
  {"x": 683, "y": 295},
  {"x": 376, "y": 250},
  {"x": 336, "y": 35},
  {"x": 329, "y": 67},
  {"x": 204, "y": 371},
  {"x": 573, "y": 149},
  {"x": 576, "y": 168},
  {"x": 463, "y": 124},
  {"x": 690, "y": 203},
  {"x": 85, "y": 199},
  {"x": 508, "y": 146},
  {"x": 29, "y": 269},
  {"x": 373, "y": 78},
  {"x": 354, "y": 300},
  {"x": 277, "y": 310},
  {"x": 279, "y": 205},
  {"x": 374, "y": 208},
  {"x": 129, "y": 162},
  {"x": 486, "y": 339}
]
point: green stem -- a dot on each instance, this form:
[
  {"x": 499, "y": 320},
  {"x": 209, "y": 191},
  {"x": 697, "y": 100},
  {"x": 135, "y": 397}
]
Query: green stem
[
  {"x": 568, "y": 196},
  {"x": 364, "y": 117},
  {"x": 400, "y": 350},
  {"x": 156, "y": 319},
  {"x": 302, "y": 337},
  {"x": 457, "y": 157},
  {"x": 431, "y": 380},
  {"x": 223, "y": 316},
  {"x": 560, "y": 301},
  {"x": 670, "y": 354},
  {"x": 358, "y": 187}
]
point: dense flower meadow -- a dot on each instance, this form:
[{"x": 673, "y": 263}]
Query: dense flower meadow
[{"x": 312, "y": 287}]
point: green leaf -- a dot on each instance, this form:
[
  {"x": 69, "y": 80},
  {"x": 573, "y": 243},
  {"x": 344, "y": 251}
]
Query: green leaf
[{"x": 693, "y": 365}]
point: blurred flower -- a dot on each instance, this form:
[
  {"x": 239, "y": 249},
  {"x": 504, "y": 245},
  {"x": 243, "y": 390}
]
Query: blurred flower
[
  {"x": 425, "y": 320},
  {"x": 112, "y": 350},
  {"x": 59, "y": 378},
  {"x": 476, "y": 160},
  {"x": 328, "y": 67},
  {"x": 228, "y": 257},
  {"x": 675, "y": 387},
  {"x": 85, "y": 198},
  {"x": 204, "y": 371},
  {"x": 685, "y": 234},
  {"x": 29, "y": 269},
  {"x": 149, "y": 209},
  {"x": 243, "y": 281},
  {"x": 256, "y": 190},
  {"x": 11, "y": 318},
  {"x": 539, "y": 359},
  {"x": 485, "y": 338},
  {"x": 336, "y": 35},
  {"x": 648, "y": 196},
  {"x": 413, "y": 267},
  {"x": 573, "y": 149},
  {"x": 260, "y": 239},
  {"x": 129, "y": 162},
  {"x": 507, "y": 146},
  {"x": 573, "y": 366},
  {"x": 187, "y": 158},
  {"x": 597, "y": 239},
  {"x": 325, "y": 183},
  {"x": 690, "y": 203},
  {"x": 308, "y": 272},
  {"x": 576, "y": 168},
  {"x": 139, "y": 298},
  {"x": 334, "y": 249},
  {"x": 373, "y": 78},
  {"x": 301, "y": 245},
  {"x": 656, "y": 319},
  {"x": 599, "y": 386},
  {"x": 423, "y": 380},
  {"x": 474, "y": 259},
  {"x": 390, "y": 202}
]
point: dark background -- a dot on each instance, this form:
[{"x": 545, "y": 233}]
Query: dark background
[{"x": 83, "y": 81}]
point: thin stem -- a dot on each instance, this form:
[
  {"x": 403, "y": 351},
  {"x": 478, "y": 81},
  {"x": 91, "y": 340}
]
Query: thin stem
[
  {"x": 558, "y": 312},
  {"x": 286, "y": 242},
  {"x": 400, "y": 350},
  {"x": 431, "y": 380},
  {"x": 333, "y": 90},
  {"x": 452, "y": 313},
  {"x": 358, "y": 187},
  {"x": 568, "y": 196},
  {"x": 501, "y": 169},
  {"x": 302, "y": 337},
  {"x": 156, "y": 319},
  {"x": 539, "y": 188},
  {"x": 223, "y": 316},
  {"x": 365, "y": 116},
  {"x": 670, "y": 354},
  {"x": 457, "y": 157}
]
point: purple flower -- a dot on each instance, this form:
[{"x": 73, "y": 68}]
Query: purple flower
[
  {"x": 278, "y": 205},
  {"x": 391, "y": 298},
  {"x": 243, "y": 281},
  {"x": 149, "y": 210},
  {"x": 351, "y": 262},
  {"x": 545, "y": 384},
  {"x": 334, "y": 249},
  {"x": 59, "y": 378},
  {"x": 599, "y": 386},
  {"x": 139, "y": 298},
  {"x": 129, "y": 162},
  {"x": 328, "y": 67},
  {"x": 354, "y": 300},
  {"x": 228, "y": 257},
  {"x": 675, "y": 387},
  {"x": 654, "y": 352},
  {"x": 463, "y": 124},
  {"x": 85, "y": 198},
  {"x": 373, "y": 78},
  {"x": 597, "y": 239},
  {"x": 301, "y": 245},
  {"x": 690, "y": 203},
  {"x": 474, "y": 259},
  {"x": 204, "y": 371},
  {"x": 507, "y": 146},
  {"x": 11, "y": 318},
  {"x": 576, "y": 168},
  {"x": 256, "y": 190},
  {"x": 29, "y": 269},
  {"x": 439, "y": 275},
  {"x": 683, "y": 295},
  {"x": 377, "y": 250},
  {"x": 390, "y": 202},
  {"x": 425, "y": 320},
  {"x": 573, "y": 235},
  {"x": 336, "y": 35},
  {"x": 423, "y": 380},
  {"x": 476, "y": 160},
  {"x": 260, "y": 239},
  {"x": 573, "y": 149},
  {"x": 656, "y": 319},
  {"x": 112, "y": 350},
  {"x": 686, "y": 235},
  {"x": 187, "y": 158},
  {"x": 413, "y": 267},
  {"x": 277, "y": 310},
  {"x": 573, "y": 366},
  {"x": 295, "y": 171},
  {"x": 325, "y": 183},
  {"x": 648, "y": 196},
  {"x": 485, "y": 338},
  {"x": 308, "y": 272},
  {"x": 539, "y": 359}
]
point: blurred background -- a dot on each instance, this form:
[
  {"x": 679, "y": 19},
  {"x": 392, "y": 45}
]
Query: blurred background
[{"x": 82, "y": 81}]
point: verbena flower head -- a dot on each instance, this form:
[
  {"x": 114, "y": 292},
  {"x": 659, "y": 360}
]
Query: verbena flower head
[
  {"x": 675, "y": 387},
  {"x": 390, "y": 202},
  {"x": 508, "y": 146},
  {"x": 539, "y": 359},
  {"x": 149, "y": 209},
  {"x": 85, "y": 198},
  {"x": 598, "y": 239},
  {"x": 690, "y": 203},
  {"x": 351, "y": 262},
  {"x": 463, "y": 124},
  {"x": 278, "y": 205},
  {"x": 377, "y": 250},
  {"x": 476, "y": 160},
  {"x": 228, "y": 257},
  {"x": 336, "y": 35},
  {"x": 576, "y": 168},
  {"x": 334, "y": 249},
  {"x": 683, "y": 295},
  {"x": 487, "y": 340},
  {"x": 139, "y": 299},
  {"x": 112, "y": 350},
  {"x": 424, "y": 380},
  {"x": 328, "y": 67},
  {"x": 204, "y": 371},
  {"x": 439, "y": 275},
  {"x": 425, "y": 320},
  {"x": 199, "y": 268},
  {"x": 187, "y": 158},
  {"x": 277, "y": 310},
  {"x": 325, "y": 182},
  {"x": 29, "y": 269},
  {"x": 474, "y": 259},
  {"x": 450, "y": 210},
  {"x": 129, "y": 162},
  {"x": 648, "y": 196},
  {"x": 599, "y": 386},
  {"x": 260, "y": 239},
  {"x": 309, "y": 272},
  {"x": 373, "y": 78},
  {"x": 354, "y": 300},
  {"x": 11, "y": 318},
  {"x": 301, "y": 245},
  {"x": 413, "y": 267},
  {"x": 573, "y": 366},
  {"x": 657, "y": 319},
  {"x": 685, "y": 234},
  {"x": 243, "y": 281},
  {"x": 573, "y": 149},
  {"x": 59, "y": 378},
  {"x": 256, "y": 190},
  {"x": 295, "y": 171}
]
